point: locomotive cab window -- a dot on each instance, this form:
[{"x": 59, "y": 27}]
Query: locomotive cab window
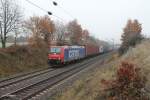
[{"x": 55, "y": 50}]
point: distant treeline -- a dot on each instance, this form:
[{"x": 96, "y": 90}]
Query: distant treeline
[{"x": 11, "y": 39}]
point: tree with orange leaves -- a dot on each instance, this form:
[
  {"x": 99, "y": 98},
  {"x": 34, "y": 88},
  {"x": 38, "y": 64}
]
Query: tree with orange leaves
[
  {"x": 47, "y": 28},
  {"x": 75, "y": 31},
  {"x": 131, "y": 35},
  {"x": 41, "y": 28}
]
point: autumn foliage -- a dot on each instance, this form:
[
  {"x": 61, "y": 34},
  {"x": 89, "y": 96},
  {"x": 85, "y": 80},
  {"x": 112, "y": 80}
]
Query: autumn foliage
[
  {"x": 129, "y": 84},
  {"x": 41, "y": 28},
  {"x": 131, "y": 35},
  {"x": 75, "y": 31}
]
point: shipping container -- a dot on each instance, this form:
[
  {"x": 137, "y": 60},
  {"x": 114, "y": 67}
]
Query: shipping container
[
  {"x": 91, "y": 50},
  {"x": 101, "y": 49},
  {"x": 74, "y": 53}
]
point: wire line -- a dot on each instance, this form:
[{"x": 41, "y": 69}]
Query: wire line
[
  {"x": 36, "y": 5},
  {"x": 65, "y": 11},
  {"x": 43, "y": 9}
]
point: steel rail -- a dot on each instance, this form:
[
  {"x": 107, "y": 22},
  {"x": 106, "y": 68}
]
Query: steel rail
[{"x": 36, "y": 86}]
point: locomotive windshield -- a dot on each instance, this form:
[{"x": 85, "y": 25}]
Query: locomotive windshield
[{"x": 55, "y": 50}]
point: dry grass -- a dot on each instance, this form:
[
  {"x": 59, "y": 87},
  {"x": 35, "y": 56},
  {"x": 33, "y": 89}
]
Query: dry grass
[
  {"x": 89, "y": 86},
  {"x": 17, "y": 59},
  {"x": 141, "y": 57}
]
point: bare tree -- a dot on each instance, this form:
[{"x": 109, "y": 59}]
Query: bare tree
[
  {"x": 10, "y": 17},
  {"x": 85, "y": 36},
  {"x": 60, "y": 33}
]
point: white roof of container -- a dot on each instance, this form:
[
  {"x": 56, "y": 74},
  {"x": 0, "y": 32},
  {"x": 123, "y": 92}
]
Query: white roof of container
[{"x": 67, "y": 46}]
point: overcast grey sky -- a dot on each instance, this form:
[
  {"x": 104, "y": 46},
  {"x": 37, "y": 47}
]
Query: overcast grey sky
[{"x": 105, "y": 19}]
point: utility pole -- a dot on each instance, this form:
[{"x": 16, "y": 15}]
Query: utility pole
[{"x": 113, "y": 44}]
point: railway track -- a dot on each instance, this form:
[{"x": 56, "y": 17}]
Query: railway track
[
  {"x": 12, "y": 84},
  {"x": 27, "y": 87},
  {"x": 19, "y": 78},
  {"x": 20, "y": 75}
]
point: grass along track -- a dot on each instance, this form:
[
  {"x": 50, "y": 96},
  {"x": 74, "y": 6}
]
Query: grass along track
[
  {"x": 35, "y": 87},
  {"x": 39, "y": 87}
]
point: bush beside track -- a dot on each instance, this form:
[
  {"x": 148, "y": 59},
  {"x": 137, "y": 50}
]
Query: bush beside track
[{"x": 18, "y": 59}]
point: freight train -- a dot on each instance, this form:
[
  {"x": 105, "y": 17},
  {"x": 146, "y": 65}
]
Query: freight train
[{"x": 65, "y": 54}]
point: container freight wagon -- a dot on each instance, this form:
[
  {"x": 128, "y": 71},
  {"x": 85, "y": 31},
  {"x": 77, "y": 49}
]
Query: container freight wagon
[
  {"x": 74, "y": 53},
  {"x": 92, "y": 50},
  {"x": 101, "y": 49},
  {"x": 64, "y": 54}
]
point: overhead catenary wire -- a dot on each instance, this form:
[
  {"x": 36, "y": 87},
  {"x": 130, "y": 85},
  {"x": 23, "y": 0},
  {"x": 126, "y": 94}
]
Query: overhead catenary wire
[
  {"x": 65, "y": 11},
  {"x": 36, "y": 5},
  {"x": 48, "y": 12}
]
